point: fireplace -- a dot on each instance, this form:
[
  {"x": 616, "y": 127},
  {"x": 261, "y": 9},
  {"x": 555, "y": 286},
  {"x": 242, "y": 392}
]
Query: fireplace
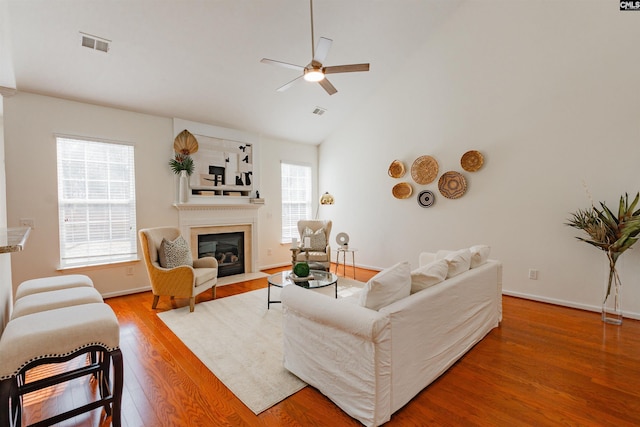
[
  {"x": 227, "y": 248},
  {"x": 231, "y": 245}
]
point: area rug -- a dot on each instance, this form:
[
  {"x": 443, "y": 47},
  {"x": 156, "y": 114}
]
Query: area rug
[{"x": 240, "y": 341}]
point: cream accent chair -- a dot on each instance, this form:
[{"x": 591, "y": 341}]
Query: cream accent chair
[
  {"x": 182, "y": 282},
  {"x": 317, "y": 257}
]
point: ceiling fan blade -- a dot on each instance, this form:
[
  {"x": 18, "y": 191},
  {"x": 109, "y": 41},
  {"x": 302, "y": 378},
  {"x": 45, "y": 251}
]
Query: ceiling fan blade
[
  {"x": 282, "y": 64},
  {"x": 288, "y": 85},
  {"x": 322, "y": 50},
  {"x": 326, "y": 85},
  {"x": 345, "y": 68}
]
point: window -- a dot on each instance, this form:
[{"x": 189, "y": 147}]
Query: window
[
  {"x": 96, "y": 202},
  {"x": 296, "y": 198}
]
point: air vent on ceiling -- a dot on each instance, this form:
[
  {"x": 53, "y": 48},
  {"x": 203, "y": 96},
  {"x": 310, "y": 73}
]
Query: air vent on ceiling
[
  {"x": 96, "y": 43},
  {"x": 319, "y": 111}
]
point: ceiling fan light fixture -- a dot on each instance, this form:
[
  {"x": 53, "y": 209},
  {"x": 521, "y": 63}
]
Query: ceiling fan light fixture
[{"x": 313, "y": 75}]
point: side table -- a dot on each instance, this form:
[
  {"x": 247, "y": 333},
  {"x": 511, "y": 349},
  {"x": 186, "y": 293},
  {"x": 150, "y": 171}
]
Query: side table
[
  {"x": 344, "y": 250},
  {"x": 294, "y": 254}
]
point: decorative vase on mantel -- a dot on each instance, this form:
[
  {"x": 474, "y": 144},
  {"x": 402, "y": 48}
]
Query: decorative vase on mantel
[{"x": 183, "y": 187}]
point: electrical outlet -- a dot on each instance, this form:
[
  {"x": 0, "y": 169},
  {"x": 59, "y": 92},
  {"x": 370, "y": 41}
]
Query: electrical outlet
[
  {"x": 533, "y": 274},
  {"x": 269, "y": 251},
  {"x": 129, "y": 271},
  {"x": 27, "y": 222}
]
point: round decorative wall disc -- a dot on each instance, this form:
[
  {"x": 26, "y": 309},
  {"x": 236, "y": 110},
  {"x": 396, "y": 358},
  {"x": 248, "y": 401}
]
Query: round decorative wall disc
[
  {"x": 426, "y": 198},
  {"x": 396, "y": 169},
  {"x": 452, "y": 185},
  {"x": 402, "y": 190},
  {"x": 471, "y": 161},
  {"x": 424, "y": 170}
]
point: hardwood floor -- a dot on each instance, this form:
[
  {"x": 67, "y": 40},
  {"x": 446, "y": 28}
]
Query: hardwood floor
[{"x": 544, "y": 366}]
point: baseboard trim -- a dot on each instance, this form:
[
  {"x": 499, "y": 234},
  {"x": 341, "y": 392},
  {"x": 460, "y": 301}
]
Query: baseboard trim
[
  {"x": 126, "y": 292},
  {"x": 564, "y": 303}
]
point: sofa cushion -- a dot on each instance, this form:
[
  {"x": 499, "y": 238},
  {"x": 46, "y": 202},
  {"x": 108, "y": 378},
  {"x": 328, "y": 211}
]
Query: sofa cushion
[
  {"x": 174, "y": 253},
  {"x": 389, "y": 285},
  {"x": 317, "y": 238},
  {"x": 479, "y": 255},
  {"x": 458, "y": 262},
  {"x": 429, "y": 275}
]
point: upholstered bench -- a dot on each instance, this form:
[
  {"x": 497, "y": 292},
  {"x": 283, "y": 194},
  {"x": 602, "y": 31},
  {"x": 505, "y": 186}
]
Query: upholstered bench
[
  {"x": 54, "y": 283},
  {"x": 57, "y": 336},
  {"x": 43, "y": 301}
]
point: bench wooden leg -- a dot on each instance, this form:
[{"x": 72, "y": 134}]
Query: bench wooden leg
[
  {"x": 10, "y": 407},
  {"x": 118, "y": 381}
]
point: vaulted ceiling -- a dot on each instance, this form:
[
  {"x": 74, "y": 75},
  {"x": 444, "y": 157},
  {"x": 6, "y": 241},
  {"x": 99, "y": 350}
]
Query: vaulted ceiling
[{"x": 200, "y": 60}]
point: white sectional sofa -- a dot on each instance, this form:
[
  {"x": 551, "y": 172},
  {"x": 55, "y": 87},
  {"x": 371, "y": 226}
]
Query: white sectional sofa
[{"x": 372, "y": 362}]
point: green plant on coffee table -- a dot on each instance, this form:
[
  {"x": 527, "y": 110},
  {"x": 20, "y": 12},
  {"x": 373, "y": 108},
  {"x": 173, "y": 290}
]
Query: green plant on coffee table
[{"x": 301, "y": 269}]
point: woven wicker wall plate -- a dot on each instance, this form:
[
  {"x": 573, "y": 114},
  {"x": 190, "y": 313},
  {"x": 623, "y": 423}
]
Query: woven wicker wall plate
[
  {"x": 397, "y": 169},
  {"x": 424, "y": 170},
  {"x": 402, "y": 190},
  {"x": 471, "y": 161},
  {"x": 452, "y": 185}
]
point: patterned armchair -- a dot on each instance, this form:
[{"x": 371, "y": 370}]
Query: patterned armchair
[
  {"x": 318, "y": 232},
  {"x": 183, "y": 281}
]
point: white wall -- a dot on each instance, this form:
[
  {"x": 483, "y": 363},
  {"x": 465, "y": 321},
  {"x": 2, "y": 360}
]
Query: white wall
[
  {"x": 6, "y": 296},
  {"x": 273, "y": 152},
  {"x": 30, "y": 124},
  {"x": 547, "y": 92}
]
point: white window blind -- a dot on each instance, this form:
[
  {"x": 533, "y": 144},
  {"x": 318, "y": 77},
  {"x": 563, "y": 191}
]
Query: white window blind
[
  {"x": 96, "y": 202},
  {"x": 296, "y": 198}
]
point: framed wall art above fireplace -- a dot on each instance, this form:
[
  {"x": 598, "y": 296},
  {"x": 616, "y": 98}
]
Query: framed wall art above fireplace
[{"x": 222, "y": 168}]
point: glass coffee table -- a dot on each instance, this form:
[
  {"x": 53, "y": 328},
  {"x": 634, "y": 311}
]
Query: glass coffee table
[{"x": 321, "y": 279}]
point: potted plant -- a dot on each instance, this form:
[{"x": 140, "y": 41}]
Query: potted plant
[
  {"x": 614, "y": 235},
  {"x": 182, "y": 164}
]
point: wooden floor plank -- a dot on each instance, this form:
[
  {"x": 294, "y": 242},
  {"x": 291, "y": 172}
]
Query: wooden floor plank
[{"x": 544, "y": 365}]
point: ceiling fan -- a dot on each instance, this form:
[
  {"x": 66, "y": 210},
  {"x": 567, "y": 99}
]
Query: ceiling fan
[{"x": 315, "y": 71}]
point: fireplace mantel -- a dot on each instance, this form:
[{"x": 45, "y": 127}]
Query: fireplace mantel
[{"x": 216, "y": 206}]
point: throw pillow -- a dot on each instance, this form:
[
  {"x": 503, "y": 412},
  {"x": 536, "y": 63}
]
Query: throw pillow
[
  {"x": 174, "y": 253},
  {"x": 442, "y": 253},
  {"x": 479, "y": 255},
  {"x": 458, "y": 262},
  {"x": 390, "y": 285},
  {"x": 429, "y": 275},
  {"x": 317, "y": 238}
]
